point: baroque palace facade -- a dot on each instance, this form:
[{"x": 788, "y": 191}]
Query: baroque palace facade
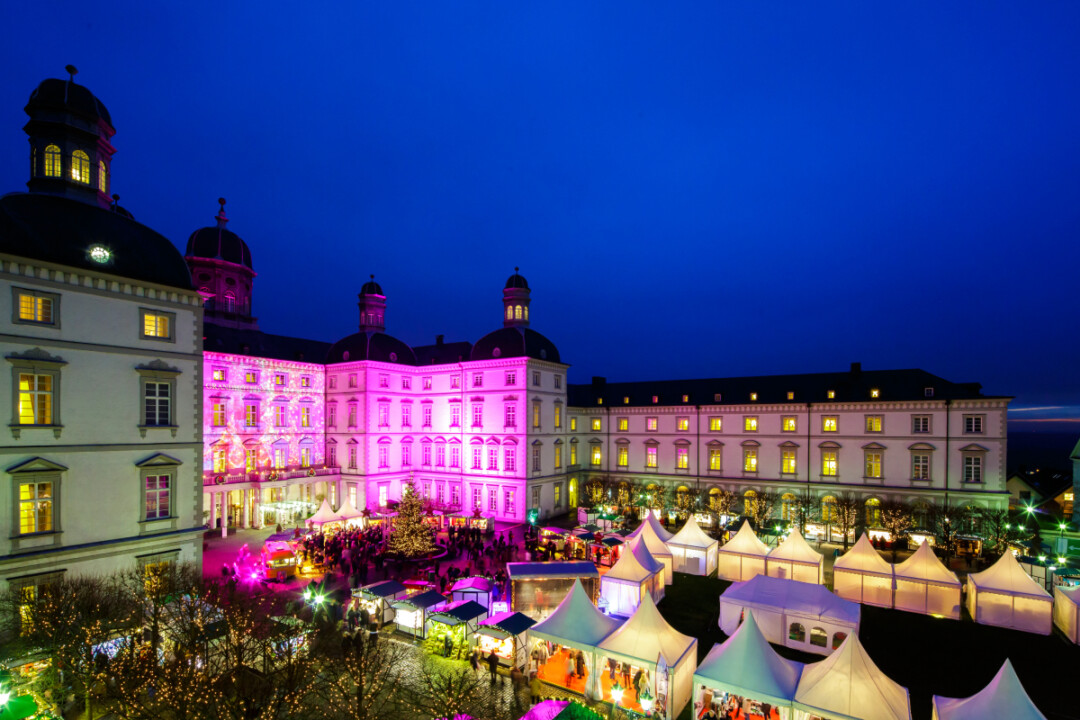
[{"x": 146, "y": 402}]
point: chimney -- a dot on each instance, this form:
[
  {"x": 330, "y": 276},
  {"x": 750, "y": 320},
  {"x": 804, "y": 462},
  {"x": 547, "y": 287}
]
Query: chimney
[
  {"x": 439, "y": 339},
  {"x": 856, "y": 368}
]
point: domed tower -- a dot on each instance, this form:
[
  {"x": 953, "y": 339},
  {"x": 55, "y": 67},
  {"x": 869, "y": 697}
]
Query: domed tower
[
  {"x": 516, "y": 301},
  {"x": 70, "y": 152},
  {"x": 221, "y": 270},
  {"x": 372, "y": 307}
]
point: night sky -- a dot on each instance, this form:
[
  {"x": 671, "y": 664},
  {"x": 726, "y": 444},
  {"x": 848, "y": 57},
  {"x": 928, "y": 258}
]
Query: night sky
[{"x": 693, "y": 189}]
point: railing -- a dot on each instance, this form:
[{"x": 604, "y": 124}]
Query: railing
[{"x": 268, "y": 474}]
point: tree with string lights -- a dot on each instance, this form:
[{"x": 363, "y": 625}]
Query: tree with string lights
[{"x": 411, "y": 536}]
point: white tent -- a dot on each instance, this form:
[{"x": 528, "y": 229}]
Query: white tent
[
  {"x": 692, "y": 550},
  {"x": 804, "y": 616},
  {"x": 796, "y": 560},
  {"x": 648, "y": 532},
  {"x": 634, "y": 576},
  {"x": 349, "y": 513},
  {"x": 646, "y": 640},
  {"x": 324, "y": 517},
  {"x": 576, "y": 623},
  {"x": 1006, "y": 596},
  {"x": 657, "y": 528},
  {"x": 924, "y": 585},
  {"x": 848, "y": 684},
  {"x": 1067, "y": 611},
  {"x": 862, "y": 575},
  {"x": 742, "y": 557},
  {"x": 1004, "y": 697},
  {"x": 746, "y": 665}
]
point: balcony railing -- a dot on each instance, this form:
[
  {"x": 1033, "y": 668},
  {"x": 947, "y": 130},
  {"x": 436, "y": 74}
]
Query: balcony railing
[{"x": 268, "y": 474}]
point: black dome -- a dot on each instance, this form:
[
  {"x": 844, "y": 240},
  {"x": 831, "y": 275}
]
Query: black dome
[
  {"x": 219, "y": 243},
  {"x": 54, "y": 94},
  {"x": 371, "y": 346},
  {"x": 371, "y": 288},
  {"x": 515, "y": 342},
  {"x": 62, "y": 231},
  {"x": 517, "y": 281}
]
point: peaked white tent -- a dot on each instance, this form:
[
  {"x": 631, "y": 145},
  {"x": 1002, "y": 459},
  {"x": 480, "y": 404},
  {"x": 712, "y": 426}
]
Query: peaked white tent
[
  {"x": 862, "y": 575},
  {"x": 349, "y": 514},
  {"x": 848, "y": 684},
  {"x": 1067, "y": 611},
  {"x": 794, "y": 559},
  {"x": 649, "y": 533},
  {"x": 1006, "y": 596},
  {"x": 1004, "y": 697},
  {"x": 746, "y": 665},
  {"x": 325, "y": 517},
  {"x": 634, "y": 576},
  {"x": 742, "y": 557},
  {"x": 924, "y": 585},
  {"x": 692, "y": 550},
  {"x": 646, "y": 640}
]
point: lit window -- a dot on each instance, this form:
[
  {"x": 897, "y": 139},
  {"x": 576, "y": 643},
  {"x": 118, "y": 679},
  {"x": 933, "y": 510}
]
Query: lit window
[
  {"x": 558, "y": 416},
  {"x": 305, "y": 417},
  {"x": 920, "y": 466},
  {"x": 623, "y": 456},
  {"x": 305, "y": 456},
  {"x": 157, "y": 496},
  {"x": 558, "y": 457},
  {"x": 716, "y": 424},
  {"x": 655, "y": 399},
  {"x": 753, "y": 397},
  {"x": 103, "y": 177},
  {"x": 517, "y": 312},
  {"x": 787, "y": 462},
  {"x": 251, "y": 377},
  {"x": 218, "y": 414},
  {"x": 80, "y": 167},
  {"x": 626, "y": 400},
  {"x": 920, "y": 424},
  {"x": 875, "y": 393},
  {"x": 874, "y": 423},
  {"x": 789, "y": 423},
  {"x": 651, "y": 424},
  {"x": 715, "y": 459},
  {"x": 973, "y": 424},
  {"x": 558, "y": 494},
  {"x": 35, "y": 507},
  {"x": 279, "y": 416},
  {"x": 251, "y": 415},
  {"x": 750, "y": 423},
  {"x": 251, "y": 458},
  {"x": 536, "y": 415},
  {"x": 596, "y": 456},
  {"x": 219, "y": 459},
  {"x": 686, "y": 398},
  {"x": 573, "y": 453},
  {"x": 830, "y": 423},
  {"x": 750, "y": 460},
  {"x": 873, "y": 464},
  {"x": 650, "y": 456},
  {"x": 573, "y": 424},
  {"x": 305, "y": 381},
  {"x": 596, "y": 424},
  {"x": 219, "y": 375},
  {"x": 157, "y": 403},
  {"x": 157, "y": 325},
  {"x": 682, "y": 458},
  {"x": 623, "y": 424},
  {"x": 831, "y": 394},
  {"x": 829, "y": 464},
  {"x": 790, "y": 395},
  {"x": 36, "y": 307},
  {"x": 682, "y": 424},
  {"x": 279, "y": 380},
  {"x": 52, "y": 161},
  {"x": 35, "y": 399}
]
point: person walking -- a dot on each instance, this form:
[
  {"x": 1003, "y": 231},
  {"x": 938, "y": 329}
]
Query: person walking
[
  {"x": 493, "y": 665},
  {"x": 535, "y": 688},
  {"x": 474, "y": 661}
]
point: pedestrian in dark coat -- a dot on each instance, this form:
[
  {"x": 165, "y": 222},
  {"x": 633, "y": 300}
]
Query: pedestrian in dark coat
[{"x": 493, "y": 665}]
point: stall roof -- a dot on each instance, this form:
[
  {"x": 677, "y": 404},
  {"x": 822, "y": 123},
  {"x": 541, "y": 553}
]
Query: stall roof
[
  {"x": 691, "y": 535},
  {"x": 348, "y": 511},
  {"x": 611, "y": 541},
  {"x": 1004, "y": 697},
  {"x": 745, "y": 664},
  {"x": 513, "y": 623},
  {"x": 556, "y": 530},
  {"x": 808, "y": 599},
  {"x": 641, "y": 551},
  {"x": 631, "y": 569},
  {"x": 426, "y": 599},
  {"x": 473, "y": 582},
  {"x": 546, "y": 710},
  {"x": 386, "y": 588},
  {"x": 656, "y": 543},
  {"x": 324, "y": 515},
  {"x": 286, "y": 536},
  {"x": 745, "y": 542},
  {"x": 537, "y": 570},
  {"x": 653, "y": 524},
  {"x": 849, "y": 684},
  {"x": 925, "y": 565},
  {"x": 576, "y": 621},
  {"x": 460, "y": 613},
  {"x": 794, "y": 548},
  {"x": 646, "y": 636},
  {"x": 1006, "y": 576},
  {"x": 863, "y": 558}
]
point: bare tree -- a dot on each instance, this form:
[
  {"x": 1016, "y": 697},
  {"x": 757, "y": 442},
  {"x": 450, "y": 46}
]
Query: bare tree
[
  {"x": 802, "y": 510},
  {"x": 364, "y": 680},
  {"x": 999, "y": 530},
  {"x": 845, "y": 514},
  {"x": 721, "y": 502},
  {"x": 594, "y": 491},
  {"x": 760, "y": 508},
  {"x": 947, "y": 523},
  {"x": 897, "y": 520},
  {"x": 686, "y": 501},
  {"x": 446, "y": 691}
]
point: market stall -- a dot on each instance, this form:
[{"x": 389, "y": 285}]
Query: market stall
[
  {"x": 505, "y": 635},
  {"x": 924, "y": 585},
  {"x": 803, "y": 616},
  {"x": 640, "y": 550},
  {"x": 624, "y": 585},
  {"x": 449, "y": 631},
  {"x": 476, "y": 588},
  {"x": 1067, "y": 611},
  {"x": 377, "y": 598},
  {"x": 537, "y": 588},
  {"x": 848, "y": 685},
  {"x": 794, "y": 559},
  {"x": 411, "y": 613},
  {"x": 350, "y": 515},
  {"x": 693, "y": 551},
  {"x": 665, "y": 658},
  {"x": 653, "y": 521},
  {"x": 742, "y": 557},
  {"x": 649, "y": 532},
  {"x": 1006, "y": 596},
  {"x": 745, "y": 669},
  {"x": 325, "y": 519},
  {"x": 575, "y": 626},
  {"x": 1004, "y": 697},
  {"x": 606, "y": 550},
  {"x": 862, "y": 575}
]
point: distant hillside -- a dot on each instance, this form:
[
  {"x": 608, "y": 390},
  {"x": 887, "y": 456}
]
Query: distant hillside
[{"x": 1046, "y": 449}]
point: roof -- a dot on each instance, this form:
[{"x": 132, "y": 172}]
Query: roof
[
  {"x": 745, "y": 542},
  {"x": 473, "y": 582},
  {"x": 657, "y": 544},
  {"x": 807, "y": 599},
  {"x": 348, "y": 510},
  {"x": 691, "y": 535},
  {"x": 640, "y": 550},
  {"x": 513, "y": 623},
  {"x": 1008, "y": 578},
  {"x": 1004, "y": 697},
  {"x": 654, "y": 527},
  {"x": 863, "y": 558},
  {"x": 370, "y": 346},
  {"x": 325, "y": 514},
  {"x": 647, "y": 636},
  {"x": 850, "y": 386},
  {"x": 464, "y": 612},
  {"x": 443, "y": 353},
  {"x": 56, "y": 94},
  {"x": 926, "y": 566},
  {"x": 514, "y": 342},
  {"x": 426, "y": 599},
  {"x": 372, "y": 288},
  {"x": 794, "y": 548},
  {"x": 386, "y": 588},
  {"x": 534, "y": 570},
  {"x": 516, "y": 281},
  {"x": 848, "y": 684},
  {"x": 61, "y": 231},
  {"x": 630, "y": 569},
  {"x": 260, "y": 344},
  {"x": 746, "y": 664},
  {"x": 220, "y": 244},
  {"x": 576, "y": 621}
]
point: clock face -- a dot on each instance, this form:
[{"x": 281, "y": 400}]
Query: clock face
[{"x": 100, "y": 254}]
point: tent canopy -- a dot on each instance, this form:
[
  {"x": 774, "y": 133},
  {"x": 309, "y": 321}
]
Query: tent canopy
[
  {"x": 863, "y": 558},
  {"x": 746, "y": 664},
  {"x": 691, "y": 535},
  {"x": 745, "y": 542},
  {"x": 924, "y": 565},
  {"x": 657, "y": 545},
  {"x": 792, "y": 596},
  {"x": 348, "y": 511},
  {"x": 630, "y": 568},
  {"x": 1008, "y": 578},
  {"x": 794, "y": 548},
  {"x": 654, "y": 527},
  {"x": 646, "y": 636},
  {"x": 1004, "y": 697},
  {"x": 576, "y": 622},
  {"x": 847, "y": 684},
  {"x": 641, "y": 551},
  {"x": 324, "y": 515}
]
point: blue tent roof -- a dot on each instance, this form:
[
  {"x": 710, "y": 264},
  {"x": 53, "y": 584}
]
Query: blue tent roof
[
  {"x": 386, "y": 588},
  {"x": 531, "y": 570}
]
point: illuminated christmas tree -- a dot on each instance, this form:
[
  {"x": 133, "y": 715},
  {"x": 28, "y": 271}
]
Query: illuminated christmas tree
[{"x": 411, "y": 537}]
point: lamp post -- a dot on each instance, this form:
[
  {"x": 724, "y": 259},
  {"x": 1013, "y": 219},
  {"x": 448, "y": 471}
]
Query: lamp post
[
  {"x": 616, "y": 696},
  {"x": 647, "y": 701}
]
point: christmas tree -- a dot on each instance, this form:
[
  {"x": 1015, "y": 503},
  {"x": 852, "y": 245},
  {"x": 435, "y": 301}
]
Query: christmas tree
[{"x": 411, "y": 536}]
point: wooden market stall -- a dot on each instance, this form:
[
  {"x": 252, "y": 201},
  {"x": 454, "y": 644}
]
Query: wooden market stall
[
  {"x": 537, "y": 588},
  {"x": 505, "y": 634},
  {"x": 411, "y": 613},
  {"x": 377, "y": 599}
]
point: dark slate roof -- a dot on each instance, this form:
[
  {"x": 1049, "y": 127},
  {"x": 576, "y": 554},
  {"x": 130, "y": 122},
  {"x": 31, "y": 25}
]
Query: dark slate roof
[
  {"x": 466, "y": 611},
  {"x": 425, "y": 599},
  {"x": 443, "y": 353},
  {"x": 371, "y": 346},
  {"x": 61, "y": 230},
  {"x": 852, "y": 386},
  {"x": 386, "y": 588},
  {"x": 515, "y": 342},
  {"x": 372, "y": 288},
  {"x": 517, "y": 281},
  {"x": 219, "y": 243},
  {"x": 259, "y": 344},
  {"x": 55, "y": 94},
  {"x": 532, "y": 570},
  {"x": 514, "y": 623}
]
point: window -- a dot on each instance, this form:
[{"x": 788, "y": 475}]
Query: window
[
  {"x": 838, "y": 639},
  {"x": 279, "y": 416},
  {"x": 829, "y": 464},
  {"x": 682, "y": 458},
  {"x": 573, "y": 453},
  {"x": 406, "y": 415},
  {"x": 830, "y": 423},
  {"x": 331, "y": 455},
  {"x": 508, "y": 502},
  {"x": 626, "y": 400},
  {"x": 716, "y": 424},
  {"x": 873, "y": 512},
  {"x": 477, "y": 415},
  {"x": 623, "y": 458},
  {"x": 440, "y": 456},
  {"x": 686, "y": 398},
  {"x": 384, "y": 415},
  {"x": 828, "y": 509},
  {"x": 558, "y": 495},
  {"x": 352, "y": 415},
  {"x": 52, "y": 161},
  {"x": 750, "y": 460},
  {"x": 790, "y": 395},
  {"x": 305, "y": 416},
  {"x": 536, "y": 460},
  {"x": 535, "y": 497},
  {"x": 35, "y": 507},
  {"x": 455, "y": 381},
  {"x": 750, "y": 503},
  {"x": 973, "y": 424},
  {"x": 787, "y": 462},
  {"x": 920, "y": 424},
  {"x": 511, "y": 378},
  {"x": 280, "y": 380},
  {"x": 819, "y": 637},
  {"x": 573, "y": 424},
  {"x": 331, "y": 415},
  {"x": 251, "y": 458},
  {"x": 478, "y": 380},
  {"x": 219, "y": 374},
  {"x": 352, "y": 380},
  {"x": 455, "y": 457},
  {"x": 80, "y": 167},
  {"x": 281, "y": 455},
  {"x": 750, "y": 423},
  {"x": 797, "y": 632},
  {"x": 157, "y": 325},
  {"x": 716, "y": 459},
  {"x": 406, "y": 383},
  {"x": 873, "y": 464},
  {"x": 596, "y": 424},
  {"x": 217, "y": 413},
  {"x": 251, "y": 415},
  {"x": 682, "y": 424},
  {"x": 831, "y": 394},
  {"x": 425, "y": 415},
  {"x": 384, "y": 495},
  {"x": 477, "y": 454},
  {"x": 35, "y": 406},
  {"x": 651, "y": 424},
  {"x": 973, "y": 468},
  {"x": 455, "y": 415},
  {"x": 558, "y": 382},
  {"x": 332, "y": 382},
  {"x": 874, "y": 423},
  {"x": 536, "y": 379},
  {"x": 305, "y": 381},
  {"x": 493, "y": 458},
  {"x": 920, "y": 466},
  {"x": 510, "y": 459},
  {"x": 623, "y": 424},
  {"x": 558, "y": 416},
  {"x": 384, "y": 381},
  {"x": 352, "y": 456},
  {"x": 157, "y": 403},
  {"x": 789, "y": 423},
  {"x": 305, "y": 456},
  {"x": 596, "y": 456},
  {"x": 875, "y": 393},
  {"x": 536, "y": 415},
  {"x": 427, "y": 386},
  {"x": 384, "y": 455},
  {"x": 651, "y": 453},
  {"x": 753, "y": 397},
  {"x": 251, "y": 377},
  {"x": 38, "y": 308}
]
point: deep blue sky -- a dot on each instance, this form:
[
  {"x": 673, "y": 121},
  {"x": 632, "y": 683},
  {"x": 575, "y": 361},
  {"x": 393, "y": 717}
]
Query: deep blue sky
[{"x": 692, "y": 188}]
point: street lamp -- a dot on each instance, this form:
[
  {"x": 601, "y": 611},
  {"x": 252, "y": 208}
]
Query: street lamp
[
  {"x": 647, "y": 700},
  {"x": 617, "y": 692}
]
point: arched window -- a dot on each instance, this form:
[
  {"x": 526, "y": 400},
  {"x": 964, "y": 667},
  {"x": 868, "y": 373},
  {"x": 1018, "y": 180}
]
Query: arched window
[
  {"x": 102, "y": 177},
  {"x": 517, "y": 312},
  {"x": 819, "y": 637},
  {"x": 828, "y": 509},
  {"x": 509, "y": 312},
  {"x": 838, "y": 639},
  {"x": 873, "y": 512},
  {"x": 920, "y": 514},
  {"x": 230, "y": 302},
  {"x": 797, "y": 632},
  {"x": 750, "y": 503},
  {"x": 80, "y": 167},
  {"x": 787, "y": 507},
  {"x": 526, "y": 312},
  {"x": 52, "y": 161}
]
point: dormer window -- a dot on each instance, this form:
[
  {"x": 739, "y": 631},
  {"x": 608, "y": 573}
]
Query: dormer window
[
  {"x": 875, "y": 393},
  {"x": 686, "y": 398},
  {"x": 791, "y": 396},
  {"x": 753, "y": 397},
  {"x": 52, "y": 161},
  {"x": 928, "y": 392},
  {"x": 831, "y": 394},
  {"x": 80, "y": 167}
]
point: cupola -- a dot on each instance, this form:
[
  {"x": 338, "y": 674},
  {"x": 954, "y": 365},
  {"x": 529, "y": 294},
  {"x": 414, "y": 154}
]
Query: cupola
[
  {"x": 372, "y": 307},
  {"x": 516, "y": 301},
  {"x": 222, "y": 272}
]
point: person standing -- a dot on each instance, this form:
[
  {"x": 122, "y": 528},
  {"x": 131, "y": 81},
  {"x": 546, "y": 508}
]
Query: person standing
[
  {"x": 535, "y": 688},
  {"x": 493, "y": 665}
]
